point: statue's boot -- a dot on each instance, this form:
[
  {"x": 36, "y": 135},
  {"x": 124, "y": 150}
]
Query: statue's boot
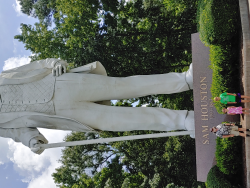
[
  {"x": 189, "y": 76},
  {"x": 189, "y": 122}
]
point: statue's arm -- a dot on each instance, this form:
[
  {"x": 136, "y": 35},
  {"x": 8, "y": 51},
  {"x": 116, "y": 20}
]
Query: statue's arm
[
  {"x": 27, "y": 136},
  {"x": 57, "y": 66},
  {"x": 93, "y": 68},
  {"x": 48, "y": 63}
]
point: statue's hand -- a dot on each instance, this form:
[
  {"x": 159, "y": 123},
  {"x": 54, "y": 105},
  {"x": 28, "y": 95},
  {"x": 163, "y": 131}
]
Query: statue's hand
[
  {"x": 59, "y": 68},
  {"x": 34, "y": 142}
]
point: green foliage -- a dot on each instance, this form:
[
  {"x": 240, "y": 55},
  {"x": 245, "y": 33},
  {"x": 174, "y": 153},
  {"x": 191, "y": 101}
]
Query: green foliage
[
  {"x": 177, "y": 101},
  {"x": 183, "y": 101},
  {"x": 134, "y": 38},
  {"x": 218, "y": 24},
  {"x": 133, "y": 180},
  {"x": 180, "y": 153},
  {"x": 181, "y": 6},
  {"x": 154, "y": 183},
  {"x": 228, "y": 155},
  {"x": 217, "y": 20},
  {"x": 75, "y": 160},
  {"x": 227, "y": 172},
  {"x": 172, "y": 185},
  {"x": 155, "y": 162},
  {"x": 216, "y": 179},
  {"x": 225, "y": 67},
  {"x": 110, "y": 176},
  {"x": 41, "y": 9},
  {"x": 84, "y": 182}
]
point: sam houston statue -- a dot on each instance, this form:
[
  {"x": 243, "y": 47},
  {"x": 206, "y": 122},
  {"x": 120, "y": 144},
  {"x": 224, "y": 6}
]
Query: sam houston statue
[{"x": 42, "y": 94}]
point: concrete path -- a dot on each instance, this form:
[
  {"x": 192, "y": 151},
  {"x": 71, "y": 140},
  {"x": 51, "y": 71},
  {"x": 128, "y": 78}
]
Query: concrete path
[{"x": 244, "y": 13}]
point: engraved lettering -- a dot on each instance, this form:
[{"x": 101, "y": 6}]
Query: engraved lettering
[
  {"x": 204, "y": 98},
  {"x": 204, "y": 117},
  {"x": 203, "y": 78},
  {"x": 205, "y": 142},
  {"x": 205, "y": 136},
  {"x": 203, "y": 86},
  {"x": 205, "y": 128}
]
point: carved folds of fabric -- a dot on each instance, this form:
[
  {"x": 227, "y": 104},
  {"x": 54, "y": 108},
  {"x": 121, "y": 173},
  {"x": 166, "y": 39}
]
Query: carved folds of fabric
[{"x": 34, "y": 97}]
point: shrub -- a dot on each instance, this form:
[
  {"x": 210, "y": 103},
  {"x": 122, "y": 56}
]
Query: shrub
[
  {"x": 225, "y": 68},
  {"x": 218, "y": 24},
  {"x": 228, "y": 155},
  {"x": 217, "y": 20},
  {"x": 216, "y": 179}
]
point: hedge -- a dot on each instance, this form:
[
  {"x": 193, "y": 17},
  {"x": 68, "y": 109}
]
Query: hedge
[
  {"x": 216, "y": 179},
  {"x": 229, "y": 155},
  {"x": 217, "y": 20},
  {"x": 219, "y": 27},
  {"x": 225, "y": 66}
]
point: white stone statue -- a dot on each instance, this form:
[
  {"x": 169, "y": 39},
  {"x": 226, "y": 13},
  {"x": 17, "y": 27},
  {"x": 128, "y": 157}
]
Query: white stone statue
[{"x": 78, "y": 100}]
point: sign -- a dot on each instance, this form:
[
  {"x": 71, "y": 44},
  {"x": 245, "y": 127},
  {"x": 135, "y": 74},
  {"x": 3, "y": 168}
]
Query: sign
[{"x": 205, "y": 114}]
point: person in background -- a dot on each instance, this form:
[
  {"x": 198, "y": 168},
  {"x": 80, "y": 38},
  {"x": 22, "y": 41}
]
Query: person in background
[
  {"x": 233, "y": 110},
  {"x": 232, "y": 98},
  {"x": 226, "y": 130}
]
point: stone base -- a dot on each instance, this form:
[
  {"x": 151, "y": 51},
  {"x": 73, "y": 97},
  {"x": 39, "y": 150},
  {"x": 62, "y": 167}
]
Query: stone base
[{"x": 205, "y": 113}]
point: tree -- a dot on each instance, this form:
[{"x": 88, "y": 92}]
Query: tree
[
  {"x": 127, "y": 38},
  {"x": 77, "y": 159},
  {"x": 136, "y": 37},
  {"x": 41, "y": 9},
  {"x": 153, "y": 161}
]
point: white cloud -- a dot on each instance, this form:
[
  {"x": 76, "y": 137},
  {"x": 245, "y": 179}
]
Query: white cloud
[
  {"x": 4, "y": 150},
  {"x": 37, "y": 169},
  {"x": 15, "y": 62},
  {"x": 15, "y": 45},
  {"x": 25, "y": 161},
  {"x": 19, "y": 30},
  {"x": 45, "y": 180},
  {"x": 17, "y": 8}
]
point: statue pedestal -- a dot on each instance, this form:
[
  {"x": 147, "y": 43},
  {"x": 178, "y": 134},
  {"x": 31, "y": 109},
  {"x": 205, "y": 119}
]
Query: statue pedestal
[{"x": 205, "y": 113}]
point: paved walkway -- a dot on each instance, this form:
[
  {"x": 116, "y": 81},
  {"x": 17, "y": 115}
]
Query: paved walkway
[{"x": 245, "y": 22}]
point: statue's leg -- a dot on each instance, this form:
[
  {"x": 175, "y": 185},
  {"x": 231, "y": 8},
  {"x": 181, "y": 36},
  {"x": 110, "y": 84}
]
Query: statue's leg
[
  {"x": 112, "y": 118},
  {"x": 90, "y": 87}
]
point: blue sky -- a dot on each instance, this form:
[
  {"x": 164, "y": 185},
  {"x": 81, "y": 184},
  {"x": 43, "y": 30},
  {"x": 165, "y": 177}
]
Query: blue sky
[{"x": 19, "y": 167}]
